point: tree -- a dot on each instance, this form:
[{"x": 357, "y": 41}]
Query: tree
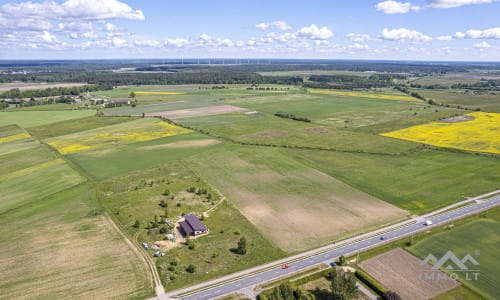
[
  {"x": 166, "y": 193},
  {"x": 137, "y": 224},
  {"x": 242, "y": 246},
  {"x": 390, "y": 295},
  {"x": 163, "y": 203},
  {"x": 342, "y": 260},
  {"x": 165, "y": 213},
  {"x": 132, "y": 95},
  {"x": 191, "y": 269},
  {"x": 343, "y": 285}
]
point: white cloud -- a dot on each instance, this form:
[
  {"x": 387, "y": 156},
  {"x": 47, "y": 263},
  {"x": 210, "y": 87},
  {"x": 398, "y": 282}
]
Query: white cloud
[
  {"x": 403, "y": 34},
  {"x": 455, "y": 3},
  {"x": 46, "y": 37},
  {"x": 118, "y": 42},
  {"x": 75, "y": 9},
  {"x": 482, "y": 45},
  {"x": 262, "y": 26},
  {"x": 110, "y": 26},
  {"x": 359, "y": 38},
  {"x": 281, "y": 25},
  {"x": 459, "y": 35},
  {"x": 357, "y": 46},
  {"x": 395, "y": 7},
  {"x": 491, "y": 33},
  {"x": 177, "y": 42},
  {"x": 444, "y": 38},
  {"x": 147, "y": 43},
  {"x": 313, "y": 32}
]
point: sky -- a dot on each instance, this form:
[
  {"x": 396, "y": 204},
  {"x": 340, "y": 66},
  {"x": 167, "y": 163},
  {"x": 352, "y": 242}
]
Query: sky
[{"x": 439, "y": 30}]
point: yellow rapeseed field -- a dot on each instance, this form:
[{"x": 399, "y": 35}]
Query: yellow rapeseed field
[
  {"x": 481, "y": 134},
  {"x": 131, "y": 132},
  {"x": 363, "y": 95},
  {"x": 158, "y": 93},
  {"x": 14, "y": 137}
]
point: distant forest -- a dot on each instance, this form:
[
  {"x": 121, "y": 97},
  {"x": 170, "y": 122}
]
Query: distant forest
[{"x": 105, "y": 74}]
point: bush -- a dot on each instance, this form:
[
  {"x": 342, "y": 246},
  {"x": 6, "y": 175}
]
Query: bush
[
  {"x": 191, "y": 269},
  {"x": 370, "y": 282}
]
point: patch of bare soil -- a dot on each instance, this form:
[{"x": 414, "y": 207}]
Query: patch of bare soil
[
  {"x": 269, "y": 134},
  {"x": 317, "y": 130},
  {"x": 197, "y": 112},
  {"x": 403, "y": 273},
  {"x": 183, "y": 144},
  {"x": 458, "y": 119}
]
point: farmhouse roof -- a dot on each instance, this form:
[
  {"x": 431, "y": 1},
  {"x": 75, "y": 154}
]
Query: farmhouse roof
[
  {"x": 196, "y": 224},
  {"x": 192, "y": 224}
]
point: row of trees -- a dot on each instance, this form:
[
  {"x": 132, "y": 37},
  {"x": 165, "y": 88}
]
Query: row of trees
[
  {"x": 55, "y": 91},
  {"x": 292, "y": 116}
]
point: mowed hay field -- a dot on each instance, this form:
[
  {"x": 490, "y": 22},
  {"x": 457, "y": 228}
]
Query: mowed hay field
[
  {"x": 55, "y": 249},
  {"x": 480, "y": 134},
  {"x": 481, "y": 239},
  {"x": 485, "y": 102},
  {"x": 28, "y": 119},
  {"x": 294, "y": 206},
  {"x": 399, "y": 271}
]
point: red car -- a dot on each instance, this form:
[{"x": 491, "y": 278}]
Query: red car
[{"x": 285, "y": 266}]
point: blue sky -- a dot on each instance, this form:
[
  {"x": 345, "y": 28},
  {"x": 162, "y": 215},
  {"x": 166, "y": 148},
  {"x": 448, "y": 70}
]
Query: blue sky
[{"x": 408, "y": 30}]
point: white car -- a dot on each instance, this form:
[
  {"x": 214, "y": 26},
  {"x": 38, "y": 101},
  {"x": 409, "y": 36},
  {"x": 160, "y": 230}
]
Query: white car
[{"x": 428, "y": 222}]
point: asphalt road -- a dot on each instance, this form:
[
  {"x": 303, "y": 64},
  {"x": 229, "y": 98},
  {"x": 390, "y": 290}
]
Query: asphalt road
[{"x": 331, "y": 255}]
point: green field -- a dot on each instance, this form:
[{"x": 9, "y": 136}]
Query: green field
[
  {"x": 137, "y": 197},
  {"x": 119, "y": 160},
  {"x": 481, "y": 239},
  {"x": 25, "y": 158},
  {"x": 29, "y": 119},
  {"x": 53, "y": 249},
  {"x": 43, "y": 180},
  {"x": 212, "y": 256},
  {"x": 284, "y": 198},
  {"x": 418, "y": 182},
  {"x": 74, "y": 126},
  {"x": 485, "y": 102}
]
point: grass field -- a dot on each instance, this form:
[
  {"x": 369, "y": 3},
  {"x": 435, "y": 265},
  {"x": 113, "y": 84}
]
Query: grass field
[
  {"x": 486, "y": 102},
  {"x": 23, "y": 159},
  {"x": 285, "y": 199},
  {"x": 482, "y": 235},
  {"x": 364, "y": 95},
  {"x": 139, "y": 130},
  {"x": 54, "y": 249},
  {"x": 29, "y": 119},
  {"x": 271, "y": 130},
  {"x": 481, "y": 134},
  {"x": 119, "y": 160},
  {"x": 43, "y": 180},
  {"x": 74, "y": 126},
  {"x": 419, "y": 182},
  {"x": 212, "y": 256}
]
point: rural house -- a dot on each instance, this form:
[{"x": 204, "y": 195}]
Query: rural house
[{"x": 192, "y": 226}]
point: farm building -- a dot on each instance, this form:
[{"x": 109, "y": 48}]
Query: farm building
[{"x": 192, "y": 226}]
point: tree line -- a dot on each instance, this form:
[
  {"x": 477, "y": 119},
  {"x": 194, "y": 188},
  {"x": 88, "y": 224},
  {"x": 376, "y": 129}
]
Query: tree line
[{"x": 54, "y": 91}]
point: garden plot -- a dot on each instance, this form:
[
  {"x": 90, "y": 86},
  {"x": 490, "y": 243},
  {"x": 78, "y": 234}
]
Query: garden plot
[{"x": 400, "y": 272}]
